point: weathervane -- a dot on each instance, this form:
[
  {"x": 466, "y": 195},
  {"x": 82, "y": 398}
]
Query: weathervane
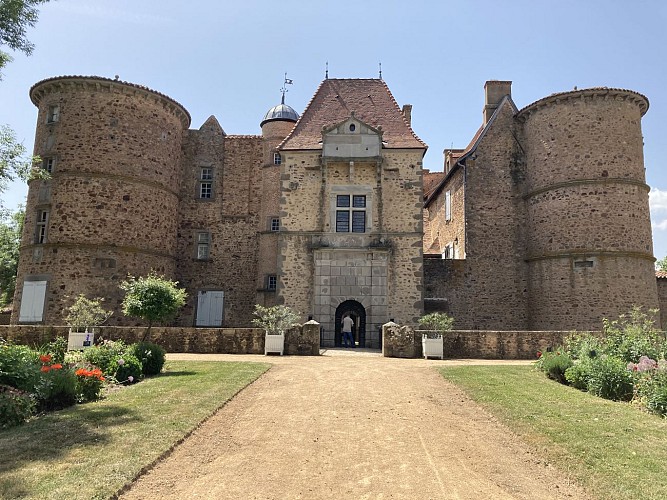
[
  {"x": 326, "y": 73},
  {"x": 284, "y": 89},
  {"x": 380, "y": 65}
]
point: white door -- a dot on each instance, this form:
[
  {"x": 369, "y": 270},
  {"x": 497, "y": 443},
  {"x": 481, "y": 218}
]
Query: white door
[
  {"x": 32, "y": 302},
  {"x": 209, "y": 308}
]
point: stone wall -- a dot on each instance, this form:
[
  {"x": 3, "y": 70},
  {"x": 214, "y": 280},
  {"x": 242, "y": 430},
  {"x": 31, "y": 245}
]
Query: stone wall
[
  {"x": 662, "y": 301},
  {"x": 441, "y": 231},
  {"x": 302, "y": 340}
]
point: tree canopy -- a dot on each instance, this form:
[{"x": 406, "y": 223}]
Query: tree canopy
[
  {"x": 16, "y": 16},
  {"x": 661, "y": 264},
  {"x": 11, "y": 227}
]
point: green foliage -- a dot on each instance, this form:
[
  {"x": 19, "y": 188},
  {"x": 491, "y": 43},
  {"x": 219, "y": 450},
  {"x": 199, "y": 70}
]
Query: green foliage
[
  {"x": 578, "y": 374},
  {"x": 89, "y": 383},
  {"x": 106, "y": 355},
  {"x": 633, "y": 335},
  {"x": 661, "y": 264},
  {"x": 152, "y": 298},
  {"x": 86, "y": 312},
  {"x": 609, "y": 378},
  {"x": 15, "y": 406},
  {"x": 56, "y": 388},
  {"x": 439, "y": 322},
  {"x": 554, "y": 364},
  {"x": 583, "y": 345},
  {"x": 152, "y": 357},
  {"x": 11, "y": 227},
  {"x": 16, "y": 16},
  {"x": 56, "y": 349},
  {"x": 128, "y": 369},
  {"x": 275, "y": 320},
  {"x": 19, "y": 366}
]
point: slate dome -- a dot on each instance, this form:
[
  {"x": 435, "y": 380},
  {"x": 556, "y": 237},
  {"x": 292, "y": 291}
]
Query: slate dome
[{"x": 281, "y": 112}]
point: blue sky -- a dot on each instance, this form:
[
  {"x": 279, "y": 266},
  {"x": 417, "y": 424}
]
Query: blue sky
[{"x": 227, "y": 59}]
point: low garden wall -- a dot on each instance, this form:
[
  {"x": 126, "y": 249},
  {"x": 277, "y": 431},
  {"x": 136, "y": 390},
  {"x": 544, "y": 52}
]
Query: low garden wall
[
  {"x": 404, "y": 342},
  {"x": 304, "y": 340}
]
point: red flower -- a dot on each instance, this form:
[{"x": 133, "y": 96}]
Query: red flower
[
  {"x": 57, "y": 366},
  {"x": 539, "y": 354},
  {"x": 45, "y": 368},
  {"x": 45, "y": 358}
]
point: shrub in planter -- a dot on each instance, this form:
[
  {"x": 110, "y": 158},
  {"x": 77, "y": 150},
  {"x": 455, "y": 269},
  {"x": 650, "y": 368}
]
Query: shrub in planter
[
  {"x": 128, "y": 369},
  {"x": 152, "y": 357},
  {"x": 56, "y": 388},
  {"x": 89, "y": 383},
  {"x": 610, "y": 378},
  {"x": 15, "y": 406},
  {"x": 554, "y": 364},
  {"x": 19, "y": 366}
]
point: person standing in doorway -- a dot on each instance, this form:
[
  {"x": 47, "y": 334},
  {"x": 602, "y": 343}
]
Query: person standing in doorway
[{"x": 347, "y": 324}]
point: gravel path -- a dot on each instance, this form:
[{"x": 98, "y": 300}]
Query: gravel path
[{"x": 351, "y": 425}]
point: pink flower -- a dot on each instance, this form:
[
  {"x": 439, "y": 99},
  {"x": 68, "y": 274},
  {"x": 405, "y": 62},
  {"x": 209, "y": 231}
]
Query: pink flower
[
  {"x": 121, "y": 362},
  {"x": 130, "y": 379}
]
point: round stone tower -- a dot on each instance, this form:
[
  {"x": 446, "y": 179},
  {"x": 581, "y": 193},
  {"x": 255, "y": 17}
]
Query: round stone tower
[
  {"x": 110, "y": 206},
  {"x": 588, "y": 237}
]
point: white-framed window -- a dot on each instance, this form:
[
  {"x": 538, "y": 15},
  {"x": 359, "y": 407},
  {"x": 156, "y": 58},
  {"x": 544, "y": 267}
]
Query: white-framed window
[
  {"x": 49, "y": 164},
  {"x": 41, "y": 226},
  {"x": 448, "y": 252},
  {"x": 275, "y": 224},
  {"x": 53, "y": 114},
  {"x": 206, "y": 183},
  {"x": 448, "y": 205},
  {"x": 277, "y": 159},
  {"x": 32, "y": 302},
  {"x": 203, "y": 245},
  {"x": 271, "y": 282},
  {"x": 351, "y": 213}
]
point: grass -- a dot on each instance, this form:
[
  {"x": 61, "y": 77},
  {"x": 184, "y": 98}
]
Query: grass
[
  {"x": 613, "y": 449},
  {"x": 93, "y": 450}
]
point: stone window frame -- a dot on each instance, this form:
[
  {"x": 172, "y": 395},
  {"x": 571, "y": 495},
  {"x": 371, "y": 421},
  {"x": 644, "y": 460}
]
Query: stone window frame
[
  {"x": 202, "y": 245},
  {"x": 351, "y": 191},
  {"x": 53, "y": 114},
  {"x": 41, "y": 225},
  {"x": 448, "y": 205},
  {"x": 274, "y": 224},
  {"x": 49, "y": 164},
  {"x": 205, "y": 183},
  {"x": 277, "y": 158},
  {"x": 271, "y": 282},
  {"x": 448, "y": 251}
]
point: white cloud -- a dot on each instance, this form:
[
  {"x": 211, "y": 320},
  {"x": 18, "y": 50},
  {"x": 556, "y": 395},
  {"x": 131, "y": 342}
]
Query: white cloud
[{"x": 657, "y": 201}]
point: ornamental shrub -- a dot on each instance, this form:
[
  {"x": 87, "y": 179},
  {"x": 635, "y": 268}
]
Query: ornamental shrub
[
  {"x": 152, "y": 357},
  {"x": 89, "y": 383},
  {"x": 128, "y": 369},
  {"x": 19, "y": 366},
  {"x": 654, "y": 393},
  {"x": 438, "y": 322},
  {"x": 610, "y": 378},
  {"x": 56, "y": 388},
  {"x": 105, "y": 355},
  {"x": 554, "y": 364},
  {"x": 633, "y": 335},
  {"x": 578, "y": 374},
  {"x": 583, "y": 345},
  {"x": 15, "y": 406}
]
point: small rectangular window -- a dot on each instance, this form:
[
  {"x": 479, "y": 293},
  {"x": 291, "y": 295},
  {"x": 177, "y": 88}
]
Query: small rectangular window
[
  {"x": 275, "y": 224},
  {"x": 206, "y": 174},
  {"x": 53, "y": 114},
  {"x": 272, "y": 282},
  {"x": 277, "y": 159},
  {"x": 206, "y": 183},
  {"x": 358, "y": 221},
  {"x": 42, "y": 222},
  {"x": 205, "y": 189},
  {"x": 448, "y": 205},
  {"x": 48, "y": 164},
  {"x": 343, "y": 200},
  {"x": 358, "y": 201},
  {"x": 342, "y": 221},
  {"x": 583, "y": 263},
  {"x": 203, "y": 245}
]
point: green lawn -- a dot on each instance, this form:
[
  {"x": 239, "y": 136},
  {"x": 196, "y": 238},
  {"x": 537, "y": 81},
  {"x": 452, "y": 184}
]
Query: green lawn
[
  {"x": 615, "y": 450},
  {"x": 93, "y": 450}
]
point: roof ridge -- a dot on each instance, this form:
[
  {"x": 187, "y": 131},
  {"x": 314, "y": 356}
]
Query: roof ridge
[{"x": 400, "y": 111}]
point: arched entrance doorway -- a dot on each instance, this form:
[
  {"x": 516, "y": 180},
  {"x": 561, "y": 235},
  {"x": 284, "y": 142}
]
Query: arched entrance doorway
[{"x": 358, "y": 315}]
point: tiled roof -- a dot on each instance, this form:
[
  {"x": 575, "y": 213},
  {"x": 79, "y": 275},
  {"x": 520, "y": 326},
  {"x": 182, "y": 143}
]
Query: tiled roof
[
  {"x": 431, "y": 180},
  {"x": 336, "y": 99},
  {"x": 661, "y": 274}
]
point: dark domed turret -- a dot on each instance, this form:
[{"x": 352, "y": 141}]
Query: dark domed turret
[{"x": 281, "y": 112}]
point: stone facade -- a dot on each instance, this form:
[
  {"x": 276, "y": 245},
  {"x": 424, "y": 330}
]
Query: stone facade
[{"x": 332, "y": 213}]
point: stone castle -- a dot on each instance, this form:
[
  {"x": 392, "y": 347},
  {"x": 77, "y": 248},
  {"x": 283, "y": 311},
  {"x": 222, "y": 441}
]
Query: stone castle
[{"x": 540, "y": 223}]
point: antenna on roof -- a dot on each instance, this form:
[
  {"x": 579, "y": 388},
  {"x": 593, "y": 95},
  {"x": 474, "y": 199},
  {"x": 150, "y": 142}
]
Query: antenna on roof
[
  {"x": 326, "y": 73},
  {"x": 284, "y": 89},
  {"x": 380, "y": 65}
]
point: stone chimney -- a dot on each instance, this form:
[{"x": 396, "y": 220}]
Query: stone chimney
[
  {"x": 407, "y": 113},
  {"x": 494, "y": 91}
]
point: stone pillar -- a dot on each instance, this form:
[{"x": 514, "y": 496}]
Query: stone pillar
[
  {"x": 304, "y": 340},
  {"x": 400, "y": 341}
]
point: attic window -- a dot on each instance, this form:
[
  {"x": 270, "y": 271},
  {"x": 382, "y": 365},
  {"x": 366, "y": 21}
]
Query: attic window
[{"x": 353, "y": 127}]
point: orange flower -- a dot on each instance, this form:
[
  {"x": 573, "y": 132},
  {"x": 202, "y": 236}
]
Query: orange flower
[
  {"x": 57, "y": 366},
  {"x": 45, "y": 368},
  {"x": 81, "y": 372},
  {"x": 45, "y": 358}
]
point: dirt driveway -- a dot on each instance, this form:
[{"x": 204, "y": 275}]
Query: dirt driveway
[{"x": 351, "y": 426}]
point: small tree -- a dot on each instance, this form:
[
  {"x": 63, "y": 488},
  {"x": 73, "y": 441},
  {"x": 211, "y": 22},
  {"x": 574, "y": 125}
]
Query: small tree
[
  {"x": 661, "y": 264},
  {"x": 86, "y": 312},
  {"x": 275, "y": 320},
  {"x": 439, "y": 322},
  {"x": 152, "y": 298}
]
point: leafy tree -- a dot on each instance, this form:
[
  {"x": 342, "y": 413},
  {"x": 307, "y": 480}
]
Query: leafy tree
[
  {"x": 438, "y": 322},
  {"x": 86, "y": 312},
  {"x": 661, "y": 264},
  {"x": 11, "y": 228},
  {"x": 152, "y": 298},
  {"x": 275, "y": 320}
]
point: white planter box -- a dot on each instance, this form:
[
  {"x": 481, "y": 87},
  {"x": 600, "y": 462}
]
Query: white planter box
[
  {"x": 274, "y": 343},
  {"x": 433, "y": 347},
  {"x": 78, "y": 341}
]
